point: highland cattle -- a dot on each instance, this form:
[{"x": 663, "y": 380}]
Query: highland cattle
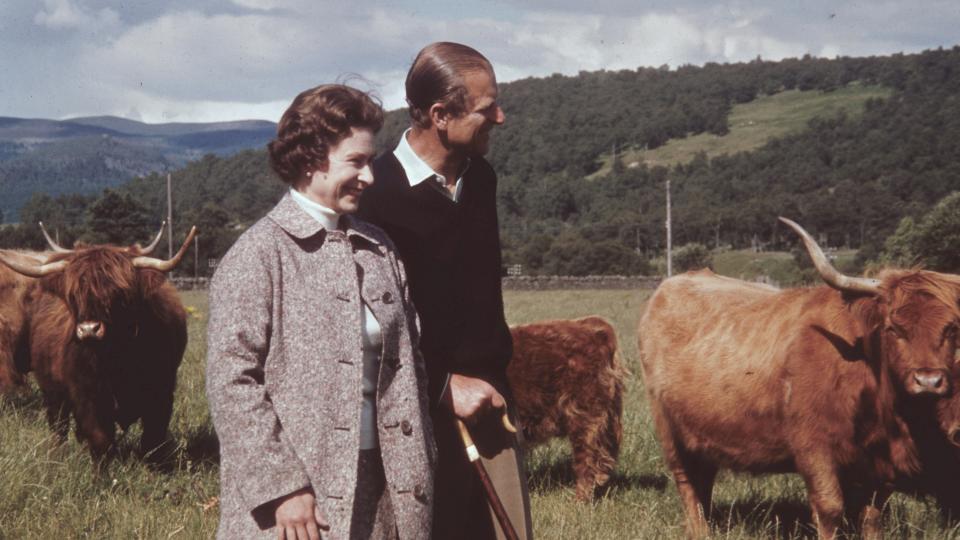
[
  {"x": 567, "y": 382},
  {"x": 832, "y": 382}
]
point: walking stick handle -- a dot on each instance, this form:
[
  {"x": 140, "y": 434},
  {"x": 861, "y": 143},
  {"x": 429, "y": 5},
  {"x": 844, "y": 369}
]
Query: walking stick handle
[
  {"x": 468, "y": 443},
  {"x": 507, "y": 425}
]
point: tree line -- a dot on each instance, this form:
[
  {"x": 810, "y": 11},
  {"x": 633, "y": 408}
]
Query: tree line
[{"x": 853, "y": 181}]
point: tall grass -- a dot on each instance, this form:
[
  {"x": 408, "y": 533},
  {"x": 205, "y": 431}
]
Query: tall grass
[{"x": 48, "y": 491}]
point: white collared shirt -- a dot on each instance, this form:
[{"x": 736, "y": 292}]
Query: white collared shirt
[
  {"x": 418, "y": 171},
  {"x": 369, "y": 334},
  {"x": 327, "y": 217}
]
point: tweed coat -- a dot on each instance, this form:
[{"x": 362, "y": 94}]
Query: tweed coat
[{"x": 284, "y": 373}]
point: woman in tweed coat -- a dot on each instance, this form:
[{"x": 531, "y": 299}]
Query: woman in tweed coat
[{"x": 316, "y": 387}]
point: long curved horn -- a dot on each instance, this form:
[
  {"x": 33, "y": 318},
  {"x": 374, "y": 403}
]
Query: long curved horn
[
  {"x": 137, "y": 250},
  {"x": 830, "y": 275},
  {"x": 166, "y": 266},
  {"x": 31, "y": 269},
  {"x": 53, "y": 245}
]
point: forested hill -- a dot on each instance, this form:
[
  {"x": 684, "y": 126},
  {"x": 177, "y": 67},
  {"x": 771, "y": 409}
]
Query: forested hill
[
  {"x": 571, "y": 204},
  {"x": 86, "y": 155}
]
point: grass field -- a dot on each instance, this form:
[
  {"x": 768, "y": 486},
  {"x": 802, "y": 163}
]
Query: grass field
[
  {"x": 755, "y": 123},
  {"x": 49, "y": 492}
]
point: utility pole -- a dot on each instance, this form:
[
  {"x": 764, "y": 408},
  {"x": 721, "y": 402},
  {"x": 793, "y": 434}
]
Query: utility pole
[
  {"x": 196, "y": 256},
  {"x": 669, "y": 235},
  {"x": 169, "y": 219}
]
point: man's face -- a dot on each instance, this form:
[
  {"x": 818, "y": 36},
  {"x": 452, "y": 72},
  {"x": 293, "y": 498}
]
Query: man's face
[{"x": 471, "y": 131}]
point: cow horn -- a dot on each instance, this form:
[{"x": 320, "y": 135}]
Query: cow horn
[
  {"x": 31, "y": 270},
  {"x": 168, "y": 265},
  {"x": 137, "y": 250},
  {"x": 53, "y": 245},
  {"x": 830, "y": 275}
]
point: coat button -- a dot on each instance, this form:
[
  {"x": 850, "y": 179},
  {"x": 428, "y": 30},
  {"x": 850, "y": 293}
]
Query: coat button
[
  {"x": 406, "y": 428},
  {"x": 387, "y": 298},
  {"x": 419, "y": 492}
]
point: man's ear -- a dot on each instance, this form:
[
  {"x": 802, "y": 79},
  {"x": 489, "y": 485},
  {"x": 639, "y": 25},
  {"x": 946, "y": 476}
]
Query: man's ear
[{"x": 438, "y": 115}]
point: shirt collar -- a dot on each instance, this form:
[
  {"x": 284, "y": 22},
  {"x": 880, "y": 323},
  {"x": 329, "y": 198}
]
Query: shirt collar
[
  {"x": 327, "y": 217},
  {"x": 297, "y": 221},
  {"x": 417, "y": 169}
]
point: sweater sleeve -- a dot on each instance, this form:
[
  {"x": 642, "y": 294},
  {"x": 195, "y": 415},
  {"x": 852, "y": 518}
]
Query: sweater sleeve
[{"x": 238, "y": 339}]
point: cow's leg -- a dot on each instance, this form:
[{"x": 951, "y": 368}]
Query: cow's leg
[
  {"x": 865, "y": 508},
  {"x": 158, "y": 409},
  {"x": 58, "y": 414},
  {"x": 595, "y": 448},
  {"x": 701, "y": 476},
  {"x": 95, "y": 426},
  {"x": 694, "y": 478},
  {"x": 685, "y": 472},
  {"x": 825, "y": 495}
]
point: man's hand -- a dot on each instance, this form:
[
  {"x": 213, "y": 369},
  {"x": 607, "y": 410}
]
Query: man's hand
[
  {"x": 298, "y": 517},
  {"x": 470, "y": 398}
]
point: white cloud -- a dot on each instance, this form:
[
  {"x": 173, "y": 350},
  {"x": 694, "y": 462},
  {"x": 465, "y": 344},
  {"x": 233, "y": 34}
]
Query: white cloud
[
  {"x": 60, "y": 14},
  {"x": 267, "y": 5},
  {"x": 222, "y": 59}
]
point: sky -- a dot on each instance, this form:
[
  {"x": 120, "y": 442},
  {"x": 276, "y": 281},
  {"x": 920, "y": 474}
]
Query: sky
[{"x": 219, "y": 60}]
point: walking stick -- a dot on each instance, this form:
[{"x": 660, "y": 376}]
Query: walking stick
[{"x": 474, "y": 456}]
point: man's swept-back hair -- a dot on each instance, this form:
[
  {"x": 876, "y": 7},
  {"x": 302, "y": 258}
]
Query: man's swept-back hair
[
  {"x": 316, "y": 121},
  {"x": 436, "y": 76}
]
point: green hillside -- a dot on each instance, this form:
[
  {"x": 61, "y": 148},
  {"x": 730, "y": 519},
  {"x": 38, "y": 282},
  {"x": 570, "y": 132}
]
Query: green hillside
[{"x": 754, "y": 124}]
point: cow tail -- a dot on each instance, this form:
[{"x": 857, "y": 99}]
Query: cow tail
[{"x": 612, "y": 376}]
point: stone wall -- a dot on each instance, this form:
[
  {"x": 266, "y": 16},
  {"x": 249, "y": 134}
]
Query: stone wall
[
  {"x": 521, "y": 283},
  {"x": 543, "y": 283}
]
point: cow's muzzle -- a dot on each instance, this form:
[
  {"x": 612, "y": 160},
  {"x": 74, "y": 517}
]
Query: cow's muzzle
[
  {"x": 90, "y": 330},
  {"x": 928, "y": 381}
]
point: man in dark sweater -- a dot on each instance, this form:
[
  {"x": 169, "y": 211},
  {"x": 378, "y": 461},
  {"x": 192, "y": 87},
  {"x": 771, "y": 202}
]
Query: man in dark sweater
[{"x": 435, "y": 195}]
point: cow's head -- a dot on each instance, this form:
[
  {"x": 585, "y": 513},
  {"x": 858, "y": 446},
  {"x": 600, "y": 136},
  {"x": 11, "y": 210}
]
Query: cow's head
[
  {"x": 101, "y": 284},
  {"x": 918, "y": 317}
]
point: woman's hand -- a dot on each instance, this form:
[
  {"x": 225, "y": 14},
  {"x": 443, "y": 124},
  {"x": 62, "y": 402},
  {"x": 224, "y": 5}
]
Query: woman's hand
[{"x": 298, "y": 517}]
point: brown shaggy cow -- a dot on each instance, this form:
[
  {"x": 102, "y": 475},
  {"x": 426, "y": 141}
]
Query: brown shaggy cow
[
  {"x": 14, "y": 302},
  {"x": 106, "y": 334},
  {"x": 829, "y": 382},
  {"x": 567, "y": 382}
]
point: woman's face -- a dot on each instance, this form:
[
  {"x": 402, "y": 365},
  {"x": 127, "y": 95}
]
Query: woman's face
[{"x": 338, "y": 184}]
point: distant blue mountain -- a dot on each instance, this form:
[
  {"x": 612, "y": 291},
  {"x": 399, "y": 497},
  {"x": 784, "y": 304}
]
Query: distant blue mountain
[{"x": 86, "y": 155}]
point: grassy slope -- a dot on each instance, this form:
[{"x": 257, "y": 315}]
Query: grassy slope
[
  {"x": 51, "y": 493},
  {"x": 753, "y": 124}
]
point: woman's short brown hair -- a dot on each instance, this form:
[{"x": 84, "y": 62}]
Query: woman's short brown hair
[
  {"x": 436, "y": 76},
  {"x": 316, "y": 121}
]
